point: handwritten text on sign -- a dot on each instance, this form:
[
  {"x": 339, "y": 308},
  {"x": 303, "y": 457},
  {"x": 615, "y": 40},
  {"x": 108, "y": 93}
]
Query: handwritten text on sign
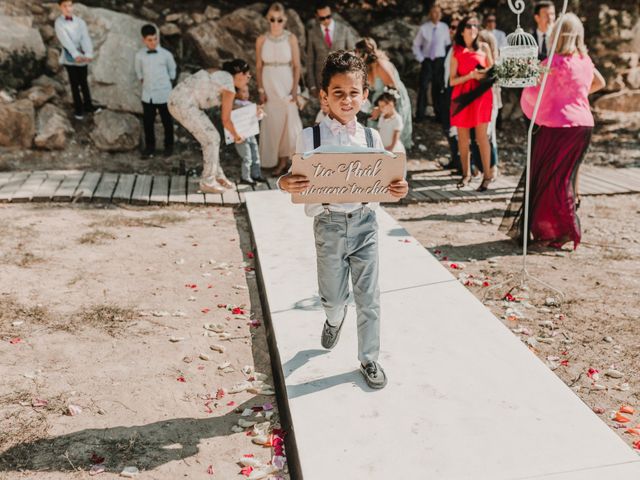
[{"x": 348, "y": 177}]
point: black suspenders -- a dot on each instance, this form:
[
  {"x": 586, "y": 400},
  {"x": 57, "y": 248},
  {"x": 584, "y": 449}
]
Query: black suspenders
[
  {"x": 316, "y": 136},
  {"x": 316, "y": 143}
]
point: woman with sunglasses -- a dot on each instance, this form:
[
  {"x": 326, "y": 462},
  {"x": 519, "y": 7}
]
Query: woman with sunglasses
[
  {"x": 278, "y": 73},
  {"x": 469, "y": 63}
]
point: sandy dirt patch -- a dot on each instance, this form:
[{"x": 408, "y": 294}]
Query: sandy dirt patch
[{"x": 91, "y": 299}]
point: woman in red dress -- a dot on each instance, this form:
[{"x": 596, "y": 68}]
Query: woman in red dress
[{"x": 469, "y": 63}]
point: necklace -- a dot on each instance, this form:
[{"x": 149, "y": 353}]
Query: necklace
[{"x": 280, "y": 38}]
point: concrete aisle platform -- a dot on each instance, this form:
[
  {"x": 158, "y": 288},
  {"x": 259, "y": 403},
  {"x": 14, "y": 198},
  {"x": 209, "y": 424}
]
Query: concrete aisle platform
[{"x": 465, "y": 400}]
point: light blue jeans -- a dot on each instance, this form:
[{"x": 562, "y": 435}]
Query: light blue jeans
[
  {"x": 248, "y": 151},
  {"x": 347, "y": 243}
]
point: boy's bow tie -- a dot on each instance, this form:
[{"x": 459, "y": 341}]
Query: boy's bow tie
[{"x": 336, "y": 127}]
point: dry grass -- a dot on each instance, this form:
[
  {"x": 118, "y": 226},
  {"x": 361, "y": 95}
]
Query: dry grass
[
  {"x": 12, "y": 311},
  {"x": 20, "y": 423},
  {"x": 109, "y": 318},
  {"x": 96, "y": 237},
  {"x": 158, "y": 220}
]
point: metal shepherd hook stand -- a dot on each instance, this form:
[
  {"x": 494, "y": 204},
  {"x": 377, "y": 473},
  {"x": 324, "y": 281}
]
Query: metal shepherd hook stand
[{"x": 518, "y": 7}]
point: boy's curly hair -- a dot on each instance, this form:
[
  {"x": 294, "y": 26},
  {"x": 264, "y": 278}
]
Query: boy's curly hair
[{"x": 343, "y": 61}]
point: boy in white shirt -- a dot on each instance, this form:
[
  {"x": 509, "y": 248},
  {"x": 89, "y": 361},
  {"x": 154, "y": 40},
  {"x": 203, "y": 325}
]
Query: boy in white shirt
[
  {"x": 346, "y": 234},
  {"x": 76, "y": 54},
  {"x": 156, "y": 69}
]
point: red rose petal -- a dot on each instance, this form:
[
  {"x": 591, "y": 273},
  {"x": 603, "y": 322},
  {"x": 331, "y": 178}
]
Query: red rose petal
[
  {"x": 210, "y": 470},
  {"x": 246, "y": 471},
  {"x": 14, "y": 341},
  {"x": 181, "y": 379}
]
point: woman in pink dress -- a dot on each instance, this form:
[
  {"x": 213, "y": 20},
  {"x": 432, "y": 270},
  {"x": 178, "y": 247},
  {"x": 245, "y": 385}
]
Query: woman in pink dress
[
  {"x": 469, "y": 64},
  {"x": 563, "y": 132}
]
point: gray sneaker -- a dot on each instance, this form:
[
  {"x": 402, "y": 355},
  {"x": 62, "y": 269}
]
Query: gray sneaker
[
  {"x": 374, "y": 375},
  {"x": 331, "y": 335}
]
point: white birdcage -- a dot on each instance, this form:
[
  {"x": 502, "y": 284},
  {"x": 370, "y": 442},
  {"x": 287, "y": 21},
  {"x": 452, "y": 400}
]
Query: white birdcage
[{"x": 518, "y": 65}]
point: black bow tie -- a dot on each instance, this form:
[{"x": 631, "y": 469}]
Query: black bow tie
[
  {"x": 152, "y": 51},
  {"x": 68, "y": 19}
]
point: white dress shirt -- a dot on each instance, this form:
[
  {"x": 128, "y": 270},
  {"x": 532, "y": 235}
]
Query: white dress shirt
[
  {"x": 304, "y": 144},
  {"x": 429, "y": 32},
  {"x": 156, "y": 70},
  {"x": 539, "y": 35},
  {"x": 332, "y": 30},
  {"x": 74, "y": 37}
]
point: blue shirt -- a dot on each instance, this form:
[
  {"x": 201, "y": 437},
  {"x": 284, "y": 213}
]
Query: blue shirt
[
  {"x": 74, "y": 37},
  {"x": 156, "y": 70}
]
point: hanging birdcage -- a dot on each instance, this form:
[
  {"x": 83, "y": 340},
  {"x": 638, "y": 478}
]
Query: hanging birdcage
[{"x": 518, "y": 65}]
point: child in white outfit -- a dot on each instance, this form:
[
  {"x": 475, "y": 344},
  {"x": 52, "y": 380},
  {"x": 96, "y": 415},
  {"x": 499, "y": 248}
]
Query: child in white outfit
[{"x": 390, "y": 123}]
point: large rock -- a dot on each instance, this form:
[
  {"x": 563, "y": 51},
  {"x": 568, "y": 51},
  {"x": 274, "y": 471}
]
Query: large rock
[
  {"x": 39, "y": 95},
  {"x": 215, "y": 45},
  {"x": 116, "y": 132},
  {"x": 627, "y": 101},
  {"x": 235, "y": 34},
  {"x": 396, "y": 38},
  {"x": 52, "y": 128},
  {"x": 116, "y": 39},
  {"x": 17, "y": 36},
  {"x": 17, "y": 124}
]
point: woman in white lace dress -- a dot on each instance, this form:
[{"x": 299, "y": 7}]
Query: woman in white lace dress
[{"x": 278, "y": 73}]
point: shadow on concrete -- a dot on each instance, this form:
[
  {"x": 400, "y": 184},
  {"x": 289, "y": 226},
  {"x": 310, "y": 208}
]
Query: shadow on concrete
[{"x": 353, "y": 377}]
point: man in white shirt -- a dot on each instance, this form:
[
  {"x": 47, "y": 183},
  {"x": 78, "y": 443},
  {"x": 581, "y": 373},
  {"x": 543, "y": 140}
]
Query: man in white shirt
[
  {"x": 76, "y": 54},
  {"x": 429, "y": 48},
  {"x": 544, "y": 13},
  {"x": 490, "y": 26}
]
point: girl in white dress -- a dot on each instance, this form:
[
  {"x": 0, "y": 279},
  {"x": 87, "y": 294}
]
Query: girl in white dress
[
  {"x": 278, "y": 74},
  {"x": 390, "y": 122}
]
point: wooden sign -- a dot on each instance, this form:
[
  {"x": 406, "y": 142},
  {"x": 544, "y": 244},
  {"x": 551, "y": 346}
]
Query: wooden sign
[{"x": 348, "y": 177}]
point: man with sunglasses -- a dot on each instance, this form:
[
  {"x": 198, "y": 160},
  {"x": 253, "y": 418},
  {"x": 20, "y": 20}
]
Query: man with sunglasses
[
  {"x": 429, "y": 48},
  {"x": 324, "y": 35},
  {"x": 490, "y": 26}
]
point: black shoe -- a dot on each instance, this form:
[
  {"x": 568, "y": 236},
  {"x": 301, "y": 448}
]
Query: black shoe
[
  {"x": 259, "y": 179},
  {"x": 244, "y": 181},
  {"x": 484, "y": 186},
  {"x": 374, "y": 375},
  {"x": 93, "y": 109},
  {"x": 147, "y": 154},
  {"x": 331, "y": 335}
]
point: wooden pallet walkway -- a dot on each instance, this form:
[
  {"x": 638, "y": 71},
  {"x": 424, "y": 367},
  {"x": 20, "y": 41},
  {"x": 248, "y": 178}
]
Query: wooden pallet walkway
[
  {"x": 440, "y": 186},
  {"x": 426, "y": 186},
  {"x": 99, "y": 187}
]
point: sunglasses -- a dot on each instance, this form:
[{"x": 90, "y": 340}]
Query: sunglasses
[
  {"x": 469, "y": 26},
  {"x": 327, "y": 17},
  {"x": 274, "y": 20}
]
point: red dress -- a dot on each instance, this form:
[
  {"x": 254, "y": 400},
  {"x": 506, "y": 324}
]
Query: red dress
[{"x": 479, "y": 111}]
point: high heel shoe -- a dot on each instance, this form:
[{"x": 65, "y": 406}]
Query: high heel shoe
[
  {"x": 484, "y": 186},
  {"x": 224, "y": 182},
  {"x": 464, "y": 181}
]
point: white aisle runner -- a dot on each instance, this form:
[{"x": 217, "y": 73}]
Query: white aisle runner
[{"x": 465, "y": 400}]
